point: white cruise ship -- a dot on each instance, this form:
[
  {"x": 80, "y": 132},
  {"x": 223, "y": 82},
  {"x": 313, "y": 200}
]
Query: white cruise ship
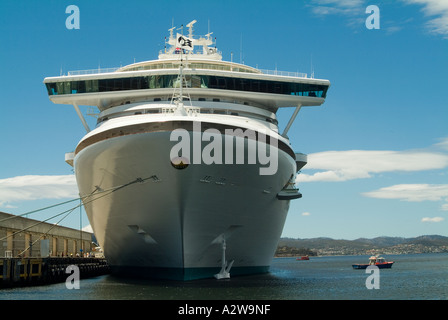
[{"x": 186, "y": 174}]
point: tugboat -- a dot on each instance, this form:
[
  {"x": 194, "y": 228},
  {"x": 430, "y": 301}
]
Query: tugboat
[{"x": 378, "y": 261}]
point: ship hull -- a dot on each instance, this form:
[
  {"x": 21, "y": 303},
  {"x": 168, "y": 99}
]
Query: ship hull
[{"x": 154, "y": 220}]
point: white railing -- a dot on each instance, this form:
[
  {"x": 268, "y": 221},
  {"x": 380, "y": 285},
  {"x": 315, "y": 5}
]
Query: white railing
[
  {"x": 284, "y": 73},
  {"x": 264, "y": 71},
  {"x": 91, "y": 71}
]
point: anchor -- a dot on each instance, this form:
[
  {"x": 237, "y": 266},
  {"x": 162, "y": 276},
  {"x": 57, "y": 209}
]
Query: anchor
[{"x": 224, "y": 273}]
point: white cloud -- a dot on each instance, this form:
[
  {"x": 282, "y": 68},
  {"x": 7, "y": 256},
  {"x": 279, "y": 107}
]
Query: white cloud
[
  {"x": 34, "y": 187},
  {"x": 358, "y": 164},
  {"x": 346, "y": 7},
  {"x": 437, "y": 10},
  {"x": 354, "y": 11},
  {"x": 339, "y": 3},
  {"x": 362, "y": 164},
  {"x": 435, "y": 219},
  {"x": 88, "y": 228},
  {"x": 412, "y": 192},
  {"x": 306, "y": 214},
  {"x": 443, "y": 144}
]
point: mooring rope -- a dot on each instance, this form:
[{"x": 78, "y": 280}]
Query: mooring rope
[
  {"x": 44, "y": 234},
  {"x": 41, "y": 209},
  {"x": 102, "y": 193}
]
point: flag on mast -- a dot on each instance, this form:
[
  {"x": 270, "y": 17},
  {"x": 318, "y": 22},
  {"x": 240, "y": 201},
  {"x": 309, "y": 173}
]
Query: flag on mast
[{"x": 184, "y": 42}]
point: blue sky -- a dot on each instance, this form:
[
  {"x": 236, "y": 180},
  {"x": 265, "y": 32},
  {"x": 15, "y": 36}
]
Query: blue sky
[{"x": 377, "y": 149}]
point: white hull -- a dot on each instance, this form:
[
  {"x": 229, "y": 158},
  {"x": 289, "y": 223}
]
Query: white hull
[{"x": 171, "y": 225}]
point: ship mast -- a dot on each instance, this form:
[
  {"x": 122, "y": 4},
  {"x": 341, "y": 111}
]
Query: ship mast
[
  {"x": 182, "y": 44},
  {"x": 189, "y": 42}
]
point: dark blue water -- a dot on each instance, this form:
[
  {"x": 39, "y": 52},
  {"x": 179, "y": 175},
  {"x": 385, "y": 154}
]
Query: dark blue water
[{"x": 412, "y": 277}]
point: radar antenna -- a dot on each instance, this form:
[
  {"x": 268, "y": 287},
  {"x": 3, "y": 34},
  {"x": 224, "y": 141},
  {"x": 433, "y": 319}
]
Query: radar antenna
[{"x": 190, "y": 28}]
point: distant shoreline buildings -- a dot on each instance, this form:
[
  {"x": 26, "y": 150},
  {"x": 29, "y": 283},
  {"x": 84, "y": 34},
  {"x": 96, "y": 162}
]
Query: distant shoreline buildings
[{"x": 329, "y": 247}]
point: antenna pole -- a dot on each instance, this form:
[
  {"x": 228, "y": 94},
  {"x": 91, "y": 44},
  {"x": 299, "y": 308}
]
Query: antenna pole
[
  {"x": 181, "y": 76},
  {"x": 241, "y": 49},
  {"x": 312, "y": 68}
]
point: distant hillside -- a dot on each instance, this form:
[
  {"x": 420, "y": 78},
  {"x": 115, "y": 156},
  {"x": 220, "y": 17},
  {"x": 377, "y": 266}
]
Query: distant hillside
[{"x": 328, "y": 246}]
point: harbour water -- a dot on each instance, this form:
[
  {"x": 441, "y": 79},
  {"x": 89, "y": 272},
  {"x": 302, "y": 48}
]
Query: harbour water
[{"x": 412, "y": 277}]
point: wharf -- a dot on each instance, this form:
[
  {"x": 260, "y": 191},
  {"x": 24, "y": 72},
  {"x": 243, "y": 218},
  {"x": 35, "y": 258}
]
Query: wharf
[{"x": 41, "y": 271}]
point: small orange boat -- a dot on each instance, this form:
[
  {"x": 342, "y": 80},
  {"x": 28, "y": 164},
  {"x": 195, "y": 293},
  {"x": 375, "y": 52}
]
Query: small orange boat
[{"x": 303, "y": 258}]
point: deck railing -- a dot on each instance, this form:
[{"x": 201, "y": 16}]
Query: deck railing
[
  {"x": 284, "y": 73},
  {"x": 91, "y": 71},
  {"x": 264, "y": 71}
]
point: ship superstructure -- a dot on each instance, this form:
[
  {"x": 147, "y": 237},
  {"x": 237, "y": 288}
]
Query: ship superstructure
[{"x": 186, "y": 174}]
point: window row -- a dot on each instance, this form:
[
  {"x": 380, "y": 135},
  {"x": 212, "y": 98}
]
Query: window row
[{"x": 192, "y": 81}]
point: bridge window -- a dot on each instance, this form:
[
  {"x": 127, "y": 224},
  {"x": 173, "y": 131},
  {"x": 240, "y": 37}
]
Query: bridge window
[{"x": 195, "y": 81}]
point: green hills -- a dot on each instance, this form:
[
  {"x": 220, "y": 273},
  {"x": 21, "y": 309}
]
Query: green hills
[{"x": 362, "y": 246}]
